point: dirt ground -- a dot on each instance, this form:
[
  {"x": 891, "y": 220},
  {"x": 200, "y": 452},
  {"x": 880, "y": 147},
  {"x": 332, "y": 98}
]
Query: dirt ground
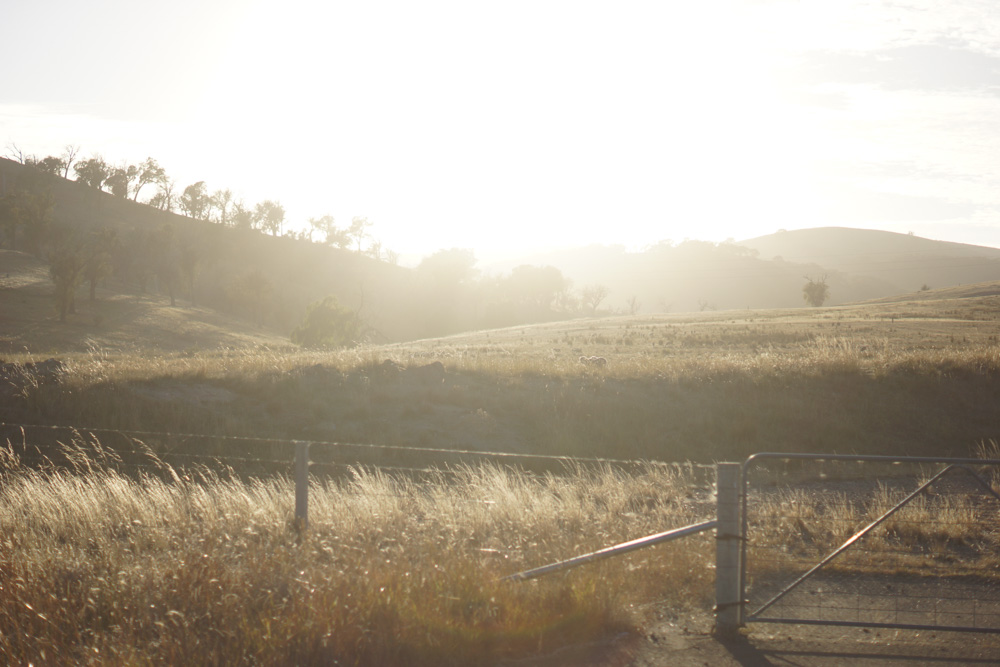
[{"x": 689, "y": 642}]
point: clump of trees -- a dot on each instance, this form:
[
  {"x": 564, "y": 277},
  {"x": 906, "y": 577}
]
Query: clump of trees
[{"x": 815, "y": 292}]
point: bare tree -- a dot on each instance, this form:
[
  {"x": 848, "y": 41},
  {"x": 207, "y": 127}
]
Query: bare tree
[
  {"x": 164, "y": 197},
  {"x": 357, "y": 230},
  {"x": 222, "y": 200},
  {"x": 592, "y": 295},
  {"x": 15, "y": 153},
  {"x": 69, "y": 157}
]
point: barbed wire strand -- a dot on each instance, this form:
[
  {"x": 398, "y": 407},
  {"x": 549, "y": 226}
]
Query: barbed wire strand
[{"x": 402, "y": 448}]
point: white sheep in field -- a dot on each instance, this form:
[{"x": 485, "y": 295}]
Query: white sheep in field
[{"x": 593, "y": 361}]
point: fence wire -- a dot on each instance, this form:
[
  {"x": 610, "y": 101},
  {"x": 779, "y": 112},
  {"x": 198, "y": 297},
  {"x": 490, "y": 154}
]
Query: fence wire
[
  {"x": 931, "y": 562},
  {"x": 508, "y": 510}
]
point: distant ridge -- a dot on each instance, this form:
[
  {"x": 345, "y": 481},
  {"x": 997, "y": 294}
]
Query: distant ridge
[
  {"x": 909, "y": 262},
  {"x": 833, "y": 245}
]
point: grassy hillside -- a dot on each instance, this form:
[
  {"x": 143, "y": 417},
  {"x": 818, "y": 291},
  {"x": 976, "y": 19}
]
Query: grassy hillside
[
  {"x": 910, "y": 377},
  {"x": 296, "y": 272}
]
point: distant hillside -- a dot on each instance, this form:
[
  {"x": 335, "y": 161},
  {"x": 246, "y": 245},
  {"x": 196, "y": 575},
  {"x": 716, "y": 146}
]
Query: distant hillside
[
  {"x": 769, "y": 271},
  {"x": 263, "y": 284},
  {"x": 212, "y": 264},
  {"x": 697, "y": 275},
  {"x": 907, "y": 262},
  {"x": 973, "y": 291}
]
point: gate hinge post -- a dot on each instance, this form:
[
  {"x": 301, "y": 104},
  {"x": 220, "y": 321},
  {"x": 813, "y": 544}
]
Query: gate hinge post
[{"x": 727, "y": 549}]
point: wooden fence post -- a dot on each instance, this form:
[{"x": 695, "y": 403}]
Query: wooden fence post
[
  {"x": 302, "y": 484},
  {"x": 728, "y": 596}
]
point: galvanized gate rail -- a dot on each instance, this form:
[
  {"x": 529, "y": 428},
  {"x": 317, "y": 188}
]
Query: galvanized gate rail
[
  {"x": 952, "y": 466},
  {"x": 727, "y": 555}
]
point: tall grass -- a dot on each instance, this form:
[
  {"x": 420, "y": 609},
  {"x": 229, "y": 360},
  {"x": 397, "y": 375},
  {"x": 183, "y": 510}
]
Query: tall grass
[
  {"x": 175, "y": 567},
  {"x": 947, "y": 530}
]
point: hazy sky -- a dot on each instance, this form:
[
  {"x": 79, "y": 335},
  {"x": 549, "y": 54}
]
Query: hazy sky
[{"x": 506, "y": 125}]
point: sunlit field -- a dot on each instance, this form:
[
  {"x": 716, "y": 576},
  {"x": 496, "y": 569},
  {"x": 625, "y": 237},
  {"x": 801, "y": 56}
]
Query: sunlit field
[
  {"x": 902, "y": 378},
  {"x": 172, "y": 562}
]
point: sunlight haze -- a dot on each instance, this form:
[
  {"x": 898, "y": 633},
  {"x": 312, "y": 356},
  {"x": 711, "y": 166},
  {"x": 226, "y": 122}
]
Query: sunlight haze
[{"x": 511, "y": 127}]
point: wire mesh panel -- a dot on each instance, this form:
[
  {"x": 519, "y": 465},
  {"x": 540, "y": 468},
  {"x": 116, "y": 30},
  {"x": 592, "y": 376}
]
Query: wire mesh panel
[{"x": 872, "y": 541}]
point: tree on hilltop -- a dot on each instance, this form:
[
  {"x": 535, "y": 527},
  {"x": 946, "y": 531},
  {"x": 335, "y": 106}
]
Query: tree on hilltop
[
  {"x": 241, "y": 217},
  {"x": 358, "y": 230},
  {"x": 164, "y": 199},
  {"x": 270, "y": 216},
  {"x": 15, "y": 153},
  {"x": 68, "y": 158},
  {"x": 122, "y": 179},
  {"x": 222, "y": 201},
  {"x": 149, "y": 172},
  {"x": 92, "y": 172},
  {"x": 51, "y": 165},
  {"x": 333, "y": 235},
  {"x": 195, "y": 201}
]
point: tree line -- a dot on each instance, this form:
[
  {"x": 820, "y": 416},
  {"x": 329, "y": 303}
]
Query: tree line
[
  {"x": 127, "y": 180},
  {"x": 159, "y": 258},
  {"x": 446, "y": 295}
]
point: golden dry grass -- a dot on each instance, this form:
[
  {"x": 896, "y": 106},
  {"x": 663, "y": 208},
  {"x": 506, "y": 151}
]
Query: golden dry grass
[
  {"x": 101, "y": 568},
  {"x": 802, "y": 515},
  {"x": 900, "y": 379}
]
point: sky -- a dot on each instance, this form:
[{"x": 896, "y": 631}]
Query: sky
[{"x": 513, "y": 127}]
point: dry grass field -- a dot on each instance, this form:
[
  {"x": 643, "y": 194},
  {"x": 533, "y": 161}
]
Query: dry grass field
[
  {"x": 101, "y": 568},
  {"x": 206, "y": 566},
  {"x": 911, "y": 377}
]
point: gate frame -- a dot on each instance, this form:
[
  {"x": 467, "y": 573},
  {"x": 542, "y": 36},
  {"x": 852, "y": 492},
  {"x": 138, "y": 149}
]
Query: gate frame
[{"x": 950, "y": 465}]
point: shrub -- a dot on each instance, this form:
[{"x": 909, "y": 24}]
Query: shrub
[{"x": 328, "y": 324}]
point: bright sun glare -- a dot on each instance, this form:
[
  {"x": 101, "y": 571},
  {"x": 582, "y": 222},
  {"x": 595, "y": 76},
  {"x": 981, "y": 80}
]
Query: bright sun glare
[
  {"x": 524, "y": 125},
  {"x": 491, "y": 129}
]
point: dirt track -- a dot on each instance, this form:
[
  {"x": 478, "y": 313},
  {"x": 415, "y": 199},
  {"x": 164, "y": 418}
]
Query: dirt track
[{"x": 688, "y": 642}]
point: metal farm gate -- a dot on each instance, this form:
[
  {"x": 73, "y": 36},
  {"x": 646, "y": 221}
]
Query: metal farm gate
[{"x": 871, "y": 541}]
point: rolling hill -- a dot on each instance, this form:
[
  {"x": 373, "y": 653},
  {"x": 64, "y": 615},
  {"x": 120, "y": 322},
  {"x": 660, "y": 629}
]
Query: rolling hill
[
  {"x": 905, "y": 262},
  {"x": 400, "y": 303}
]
